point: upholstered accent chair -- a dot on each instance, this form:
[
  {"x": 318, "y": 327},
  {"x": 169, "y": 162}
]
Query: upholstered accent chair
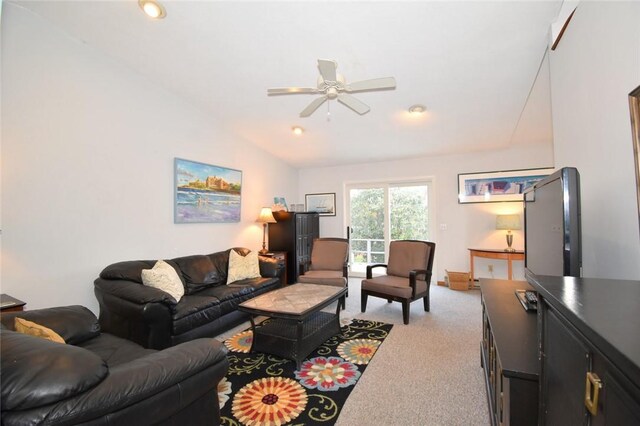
[
  {"x": 408, "y": 275},
  {"x": 328, "y": 264}
]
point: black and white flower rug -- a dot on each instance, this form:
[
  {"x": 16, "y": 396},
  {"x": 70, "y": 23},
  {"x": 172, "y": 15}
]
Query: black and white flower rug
[{"x": 266, "y": 390}]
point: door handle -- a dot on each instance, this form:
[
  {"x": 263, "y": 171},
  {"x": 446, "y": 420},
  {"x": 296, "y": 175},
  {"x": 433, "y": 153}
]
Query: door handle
[{"x": 591, "y": 393}]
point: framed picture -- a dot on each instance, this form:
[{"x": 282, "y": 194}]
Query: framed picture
[
  {"x": 493, "y": 187},
  {"x": 634, "y": 108},
  {"x": 204, "y": 193},
  {"x": 324, "y": 204}
]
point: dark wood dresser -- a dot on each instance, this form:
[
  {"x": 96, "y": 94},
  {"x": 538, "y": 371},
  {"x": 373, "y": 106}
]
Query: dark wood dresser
[
  {"x": 509, "y": 354},
  {"x": 294, "y": 233},
  {"x": 589, "y": 333}
]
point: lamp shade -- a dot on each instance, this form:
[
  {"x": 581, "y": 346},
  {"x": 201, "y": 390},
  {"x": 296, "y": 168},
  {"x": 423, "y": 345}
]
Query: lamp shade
[
  {"x": 266, "y": 216},
  {"x": 508, "y": 222}
]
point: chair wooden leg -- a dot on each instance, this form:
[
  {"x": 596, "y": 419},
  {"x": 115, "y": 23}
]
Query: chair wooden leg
[
  {"x": 426, "y": 303},
  {"x": 389, "y": 300},
  {"x": 405, "y": 311},
  {"x": 363, "y": 302}
]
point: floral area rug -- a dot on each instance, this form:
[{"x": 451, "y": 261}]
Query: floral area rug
[{"x": 265, "y": 390}]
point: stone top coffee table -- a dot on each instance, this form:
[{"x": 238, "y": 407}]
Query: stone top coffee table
[{"x": 297, "y": 325}]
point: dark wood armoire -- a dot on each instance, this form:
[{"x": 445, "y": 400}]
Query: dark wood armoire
[{"x": 294, "y": 233}]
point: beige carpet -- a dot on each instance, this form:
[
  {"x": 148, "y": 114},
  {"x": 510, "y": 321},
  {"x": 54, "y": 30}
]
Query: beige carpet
[{"x": 425, "y": 373}]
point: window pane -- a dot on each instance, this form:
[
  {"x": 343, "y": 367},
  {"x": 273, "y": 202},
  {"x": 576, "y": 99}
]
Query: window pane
[{"x": 409, "y": 212}]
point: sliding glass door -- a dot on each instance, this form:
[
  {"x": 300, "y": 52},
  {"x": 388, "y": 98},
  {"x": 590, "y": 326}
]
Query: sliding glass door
[{"x": 383, "y": 212}]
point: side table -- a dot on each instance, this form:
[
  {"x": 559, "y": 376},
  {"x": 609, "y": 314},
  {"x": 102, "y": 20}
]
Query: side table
[
  {"x": 281, "y": 257},
  {"x": 509, "y": 256},
  {"x": 10, "y": 304}
]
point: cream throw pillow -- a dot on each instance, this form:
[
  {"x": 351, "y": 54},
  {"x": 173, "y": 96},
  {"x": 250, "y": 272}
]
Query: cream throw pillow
[
  {"x": 37, "y": 330},
  {"x": 242, "y": 267},
  {"x": 163, "y": 277}
]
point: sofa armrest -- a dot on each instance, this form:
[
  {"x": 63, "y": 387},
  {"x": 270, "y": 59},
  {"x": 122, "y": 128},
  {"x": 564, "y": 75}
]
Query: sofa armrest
[
  {"x": 135, "y": 312},
  {"x": 269, "y": 267},
  {"x": 133, "y": 291},
  {"x": 74, "y": 324},
  {"x": 145, "y": 390}
]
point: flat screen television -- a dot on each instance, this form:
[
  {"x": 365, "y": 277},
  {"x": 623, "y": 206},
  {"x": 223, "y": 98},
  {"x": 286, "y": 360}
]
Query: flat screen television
[{"x": 552, "y": 232}]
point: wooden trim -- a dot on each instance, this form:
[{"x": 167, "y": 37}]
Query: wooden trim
[{"x": 564, "y": 27}]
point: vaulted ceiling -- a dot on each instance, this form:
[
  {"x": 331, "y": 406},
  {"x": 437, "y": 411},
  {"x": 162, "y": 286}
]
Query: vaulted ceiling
[{"x": 473, "y": 64}]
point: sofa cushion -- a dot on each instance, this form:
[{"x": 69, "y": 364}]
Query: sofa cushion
[
  {"x": 74, "y": 324},
  {"x": 242, "y": 267},
  {"x": 36, "y": 330},
  {"x": 37, "y": 372},
  {"x": 164, "y": 277},
  {"x": 334, "y": 278},
  {"x": 194, "y": 311},
  {"x": 115, "y": 350},
  {"x": 393, "y": 286},
  {"x": 198, "y": 272}
]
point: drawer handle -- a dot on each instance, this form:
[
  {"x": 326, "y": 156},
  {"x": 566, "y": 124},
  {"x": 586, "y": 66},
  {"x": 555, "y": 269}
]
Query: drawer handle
[{"x": 593, "y": 386}]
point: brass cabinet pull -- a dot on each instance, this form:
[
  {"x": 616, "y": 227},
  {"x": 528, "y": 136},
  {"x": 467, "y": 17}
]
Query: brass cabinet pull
[{"x": 591, "y": 398}]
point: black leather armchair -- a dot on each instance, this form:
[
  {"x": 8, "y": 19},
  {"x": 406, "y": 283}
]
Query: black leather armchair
[{"x": 97, "y": 378}]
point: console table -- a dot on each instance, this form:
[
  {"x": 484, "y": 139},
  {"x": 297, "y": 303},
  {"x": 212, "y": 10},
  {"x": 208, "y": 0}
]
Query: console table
[{"x": 509, "y": 256}]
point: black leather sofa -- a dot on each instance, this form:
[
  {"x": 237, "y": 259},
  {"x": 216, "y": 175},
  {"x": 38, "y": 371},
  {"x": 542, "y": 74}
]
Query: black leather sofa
[
  {"x": 153, "y": 319},
  {"x": 100, "y": 379}
]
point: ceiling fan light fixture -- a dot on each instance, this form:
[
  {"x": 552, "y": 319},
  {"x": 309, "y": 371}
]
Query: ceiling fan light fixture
[
  {"x": 297, "y": 130},
  {"x": 417, "y": 109},
  {"x": 152, "y": 9},
  {"x": 332, "y": 86}
]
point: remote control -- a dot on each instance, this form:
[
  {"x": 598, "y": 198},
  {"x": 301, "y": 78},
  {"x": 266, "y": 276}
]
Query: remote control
[{"x": 531, "y": 296}]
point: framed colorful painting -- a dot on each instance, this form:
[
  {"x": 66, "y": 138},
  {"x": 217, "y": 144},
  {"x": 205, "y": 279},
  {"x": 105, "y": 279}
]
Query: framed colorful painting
[
  {"x": 204, "y": 193},
  {"x": 493, "y": 187}
]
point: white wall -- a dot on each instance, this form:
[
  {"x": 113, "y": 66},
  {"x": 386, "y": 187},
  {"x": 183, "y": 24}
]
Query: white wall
[
  {"x": 87, "y": 167},
  {"x": 595, "y": 66},
  {"x": 468, "y": 225}
]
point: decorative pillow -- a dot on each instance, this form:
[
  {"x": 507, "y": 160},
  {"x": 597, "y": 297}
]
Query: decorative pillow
[
  {"x": 163, "y": 277},
  {"x": 243, "y": 267},
  {"x": 198, "y": 272},
  {"x": 37, "y": 330}
]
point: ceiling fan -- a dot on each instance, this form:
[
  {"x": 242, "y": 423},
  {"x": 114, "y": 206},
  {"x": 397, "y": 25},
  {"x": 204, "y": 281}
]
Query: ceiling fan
[{"x": 332, "y": 85}]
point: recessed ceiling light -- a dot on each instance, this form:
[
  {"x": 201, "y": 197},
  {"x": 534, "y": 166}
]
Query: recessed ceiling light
[
  {"x": 417, "y": 109},
  {"x": 297, "y": 130},
  {"x": 152, "y": 8}
]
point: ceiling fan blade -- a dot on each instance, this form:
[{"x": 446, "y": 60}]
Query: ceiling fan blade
[
  {"x": 384, "y": 83},
  {"x": 291, "y": 90},
  {"x": 327, "y": 69},
  {"x": 353, "y": 103},
  {"x": 313, "y": 106}
]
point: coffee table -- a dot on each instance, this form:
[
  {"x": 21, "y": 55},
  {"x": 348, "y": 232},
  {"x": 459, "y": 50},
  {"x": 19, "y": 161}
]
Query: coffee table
[{"x": 297, "y": 326}]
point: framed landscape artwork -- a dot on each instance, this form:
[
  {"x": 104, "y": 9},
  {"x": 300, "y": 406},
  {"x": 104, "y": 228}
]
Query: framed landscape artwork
[
  {"x": 493, "y": 187},
  {"x": 324, "y": 204},
  {"x": 205, "y": 193}
]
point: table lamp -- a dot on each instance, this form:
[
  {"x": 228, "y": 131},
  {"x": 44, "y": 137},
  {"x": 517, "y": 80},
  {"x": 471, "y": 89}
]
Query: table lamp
[
  {"x": 508, "y": 222},
  {"x": 266, "y": 216}
]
